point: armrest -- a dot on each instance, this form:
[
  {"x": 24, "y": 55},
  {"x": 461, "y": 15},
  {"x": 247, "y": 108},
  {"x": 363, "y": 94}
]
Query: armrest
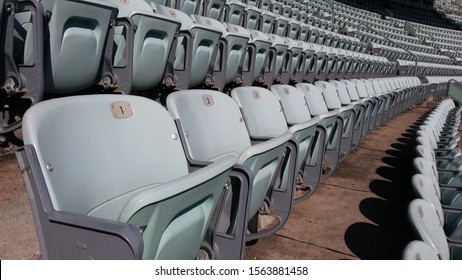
[
  {"x": 159, "y": 192},
  {"x": 264, "y": 146}
]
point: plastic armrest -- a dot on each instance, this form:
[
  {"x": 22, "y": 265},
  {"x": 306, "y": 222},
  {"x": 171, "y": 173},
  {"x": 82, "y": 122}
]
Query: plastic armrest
[
  {"x": 264, "y": 146},
  {"x": 161, "y": 192}
]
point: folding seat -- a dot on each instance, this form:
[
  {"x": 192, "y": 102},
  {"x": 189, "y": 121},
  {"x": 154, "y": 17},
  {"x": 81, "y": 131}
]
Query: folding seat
[
  {"x": 213, "y": 8},
  {"x": 275, "y": 61},
  {"x": 211, "y": 126},
  {"x": 286, "y": 11},
  {"x": 321, "y": 61},
  {"x": 281, "y": 26},
  {"x": 358, "y": 107},
  {"x": 429, "y": 229},
  {"x": 267, "y": 22},
  {"x": 94, "y": 197},
  {"x": 231, "y": 52},
  {"x": 419, "y": 250},
  {"x": 342, "y": 103},
  {"x": 333, "y": 57},
  {"x": 293, "y": 62},
  {"x": 330, "y": 122},
  {"x": 149, "y": 48},
  {"x": 293, "y": 31},
  {"x": 306, "y": 71},
  {"x": 265, "y": 5},
  {"x": 21, "y": 62},
  {"x": 363, "y": 88},
  {"x": 343, "y": 60},
  {"x": 313, "y": 35},
  {"x": 252, "y": 18},
  {"x": 189, "y": 7},
  {"x": 309, "y": 137},
  {"x": 195, "y": 49},
  {"x": 258, "y": 49},
  {"x": 276, "y": 7},
  {"x": 233, "y": 12}
]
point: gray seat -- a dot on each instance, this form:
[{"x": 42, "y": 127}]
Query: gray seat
[
  {"x": 419, "y": 250},
  {"x": 195, "y": 49},
  {"x": 77, "y": 27},
  {"x": 309, "y": 137},
  {"x": 151, "y": 48},
  {"x": 345, "y": 111},
  {"x": 212, "y": 126},
  {"x": 429, "y": 229},
  {"x": 230, "y": 57},
  {"x": 276, "y": 60},
  {"x": 358, "y": 107},
  {"x": 257, "y": 53},
  {"x": 329, "y": 121},
  {"x": 21, "y": 62},
  {"x": 93, "y": 196}
]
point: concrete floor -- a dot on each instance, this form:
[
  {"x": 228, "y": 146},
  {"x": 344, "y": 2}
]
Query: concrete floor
[
  {"x": 357, "y": 213},
  {"x": 360, "y": 211}
]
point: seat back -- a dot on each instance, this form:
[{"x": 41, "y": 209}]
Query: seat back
[
  {"x": 342, "y": 92},
  {"x": 89, "y": 171},
  {"x": 314, "y": 98},
  {"x": 419, "y": 250},
  {"x": 425, "y": 189},
  {"x": 330, "y": 95},
  {"x": 195, "y": 48},
  {"x": 230, "y": 56},
  {"x": 427, "y": 225},
  {"x": 256, "y": 57},
  {"x": 152, "y": 42},
  {"x": 293, "y": 103},
  {"x": 261, "y": 110},
  {"x": 76, "y": 39}
]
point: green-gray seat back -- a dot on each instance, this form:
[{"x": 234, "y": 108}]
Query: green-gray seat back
[
  {"x": 261, "y": 110},
  {"x": 419, "y": 250},
  {"x": 152, "y": 44},
  {"x": 234, "y": 12},
  {"x": 425, "y": 221},
  {"x": 77, "y": 33},
  {"x": 213, "y": 127},
  {"x": 330, "y": 95},
  {"x": 425, "y": 189},
  {"x": 89, "y": 168},
  {"x": 214, "y": 8},
  {"x": 252, "y": 17},
  {"x": 314, "y": 98},
  {"x": 342, "y": 92},
  {"x": 293, "y": 102},
  {"x": 230, "y": 55}
]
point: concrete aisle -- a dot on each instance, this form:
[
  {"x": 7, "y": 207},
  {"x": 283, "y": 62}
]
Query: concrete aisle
[{"x": 360, "y": 211}]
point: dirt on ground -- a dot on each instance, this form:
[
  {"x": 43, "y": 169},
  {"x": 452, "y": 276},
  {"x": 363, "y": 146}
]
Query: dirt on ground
[{"x": 17, "y": 230}]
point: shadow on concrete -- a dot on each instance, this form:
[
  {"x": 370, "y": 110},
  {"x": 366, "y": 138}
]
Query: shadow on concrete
[{"x": 389, "y": 231}]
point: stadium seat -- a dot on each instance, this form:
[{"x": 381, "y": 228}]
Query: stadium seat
[
  {"x": 331, "y": 123},
  {"x": 419, "y": 250},
  {"x": 345, "y": 112},
  {"x": 95, "y": 197},
  {"x": 151, "y": 45},
  {"x": 195, "y": 48},
  {"x": 309, "y": 137},
  {"x": 22, "y": 61},
  {"x": 211, "y": 127},
  {"x": 430, "y": 230}
]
